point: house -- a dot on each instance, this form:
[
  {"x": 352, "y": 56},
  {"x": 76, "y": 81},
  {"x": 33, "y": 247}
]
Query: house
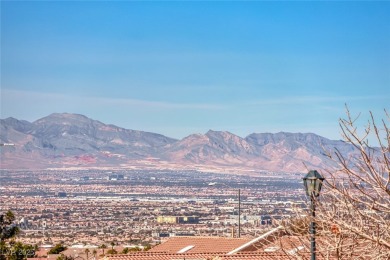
[
  {"x": 273, "y": 245},
  {"x": 214, "y": 248}
]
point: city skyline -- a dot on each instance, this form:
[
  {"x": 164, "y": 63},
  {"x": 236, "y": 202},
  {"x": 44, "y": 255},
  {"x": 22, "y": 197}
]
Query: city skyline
[{"x": 177, "y": 68}]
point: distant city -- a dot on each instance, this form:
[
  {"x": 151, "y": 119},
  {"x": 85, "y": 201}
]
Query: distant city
[{"x": 143, "y": 208}]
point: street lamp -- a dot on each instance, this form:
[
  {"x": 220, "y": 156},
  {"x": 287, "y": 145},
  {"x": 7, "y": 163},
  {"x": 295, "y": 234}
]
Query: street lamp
[
  {"x": 239, "y": 204},
  {"x": 313, "y": 183}
]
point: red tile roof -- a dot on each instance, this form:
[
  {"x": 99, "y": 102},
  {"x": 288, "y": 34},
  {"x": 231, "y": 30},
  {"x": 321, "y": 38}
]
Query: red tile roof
[
  {"x": 257, "y": 256},
  {"x": 207, "y": 256},
  {"x": 200, "y": 245},
  {"x": 159, "y": 256}
]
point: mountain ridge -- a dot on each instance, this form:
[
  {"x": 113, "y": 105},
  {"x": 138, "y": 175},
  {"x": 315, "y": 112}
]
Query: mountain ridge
[{"x": 74, "y": 140}]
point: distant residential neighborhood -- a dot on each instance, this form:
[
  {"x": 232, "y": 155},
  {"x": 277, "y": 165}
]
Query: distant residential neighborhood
[{"x": 144, "y": 207}]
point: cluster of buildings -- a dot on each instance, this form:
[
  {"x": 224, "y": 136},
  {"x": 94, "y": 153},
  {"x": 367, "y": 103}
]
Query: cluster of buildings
[
  {"x": 271, "y": 245},
  {"x": 143, "y": 208}
]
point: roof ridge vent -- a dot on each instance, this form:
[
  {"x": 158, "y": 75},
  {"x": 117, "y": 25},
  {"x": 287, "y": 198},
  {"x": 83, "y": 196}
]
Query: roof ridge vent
[{"x": 185, "y": 249}]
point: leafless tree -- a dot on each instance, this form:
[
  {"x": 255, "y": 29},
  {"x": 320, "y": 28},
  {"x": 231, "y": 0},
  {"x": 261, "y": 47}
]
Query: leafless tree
[{"x": 353, "y": 211}]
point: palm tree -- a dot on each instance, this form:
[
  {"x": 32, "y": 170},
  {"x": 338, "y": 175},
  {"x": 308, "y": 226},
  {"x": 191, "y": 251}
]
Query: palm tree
[
  {"x": 94, "y": 252},
  {"x": 103, "y": 246},
  {"x": 86, "y": 251},
  {"x": 112, "y": 245}
]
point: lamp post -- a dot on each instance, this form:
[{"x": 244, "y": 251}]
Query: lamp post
[
  {"x": 239, "y": 213},
  {"x": 313, "y": 183},
  {"x": 239, "y": 205}
]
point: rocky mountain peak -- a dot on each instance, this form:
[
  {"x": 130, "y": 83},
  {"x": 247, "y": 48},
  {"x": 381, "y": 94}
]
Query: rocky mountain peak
[
  {"x": 65, "y": 119},
  {"x": 18, "y": 125}
]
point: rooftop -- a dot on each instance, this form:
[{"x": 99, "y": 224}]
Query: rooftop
[{"x": 193, "y": 245}]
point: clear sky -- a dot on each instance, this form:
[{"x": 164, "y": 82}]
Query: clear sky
[{"x": 178, "y": 68}]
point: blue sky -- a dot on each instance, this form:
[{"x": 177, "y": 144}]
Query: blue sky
[{"x": 178, "y": 68}]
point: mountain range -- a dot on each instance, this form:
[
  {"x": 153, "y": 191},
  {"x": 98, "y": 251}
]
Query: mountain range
[{"x": 72, "y": 140}]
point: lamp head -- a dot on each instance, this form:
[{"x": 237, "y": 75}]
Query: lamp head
[{"x": 313, "y": 183}]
